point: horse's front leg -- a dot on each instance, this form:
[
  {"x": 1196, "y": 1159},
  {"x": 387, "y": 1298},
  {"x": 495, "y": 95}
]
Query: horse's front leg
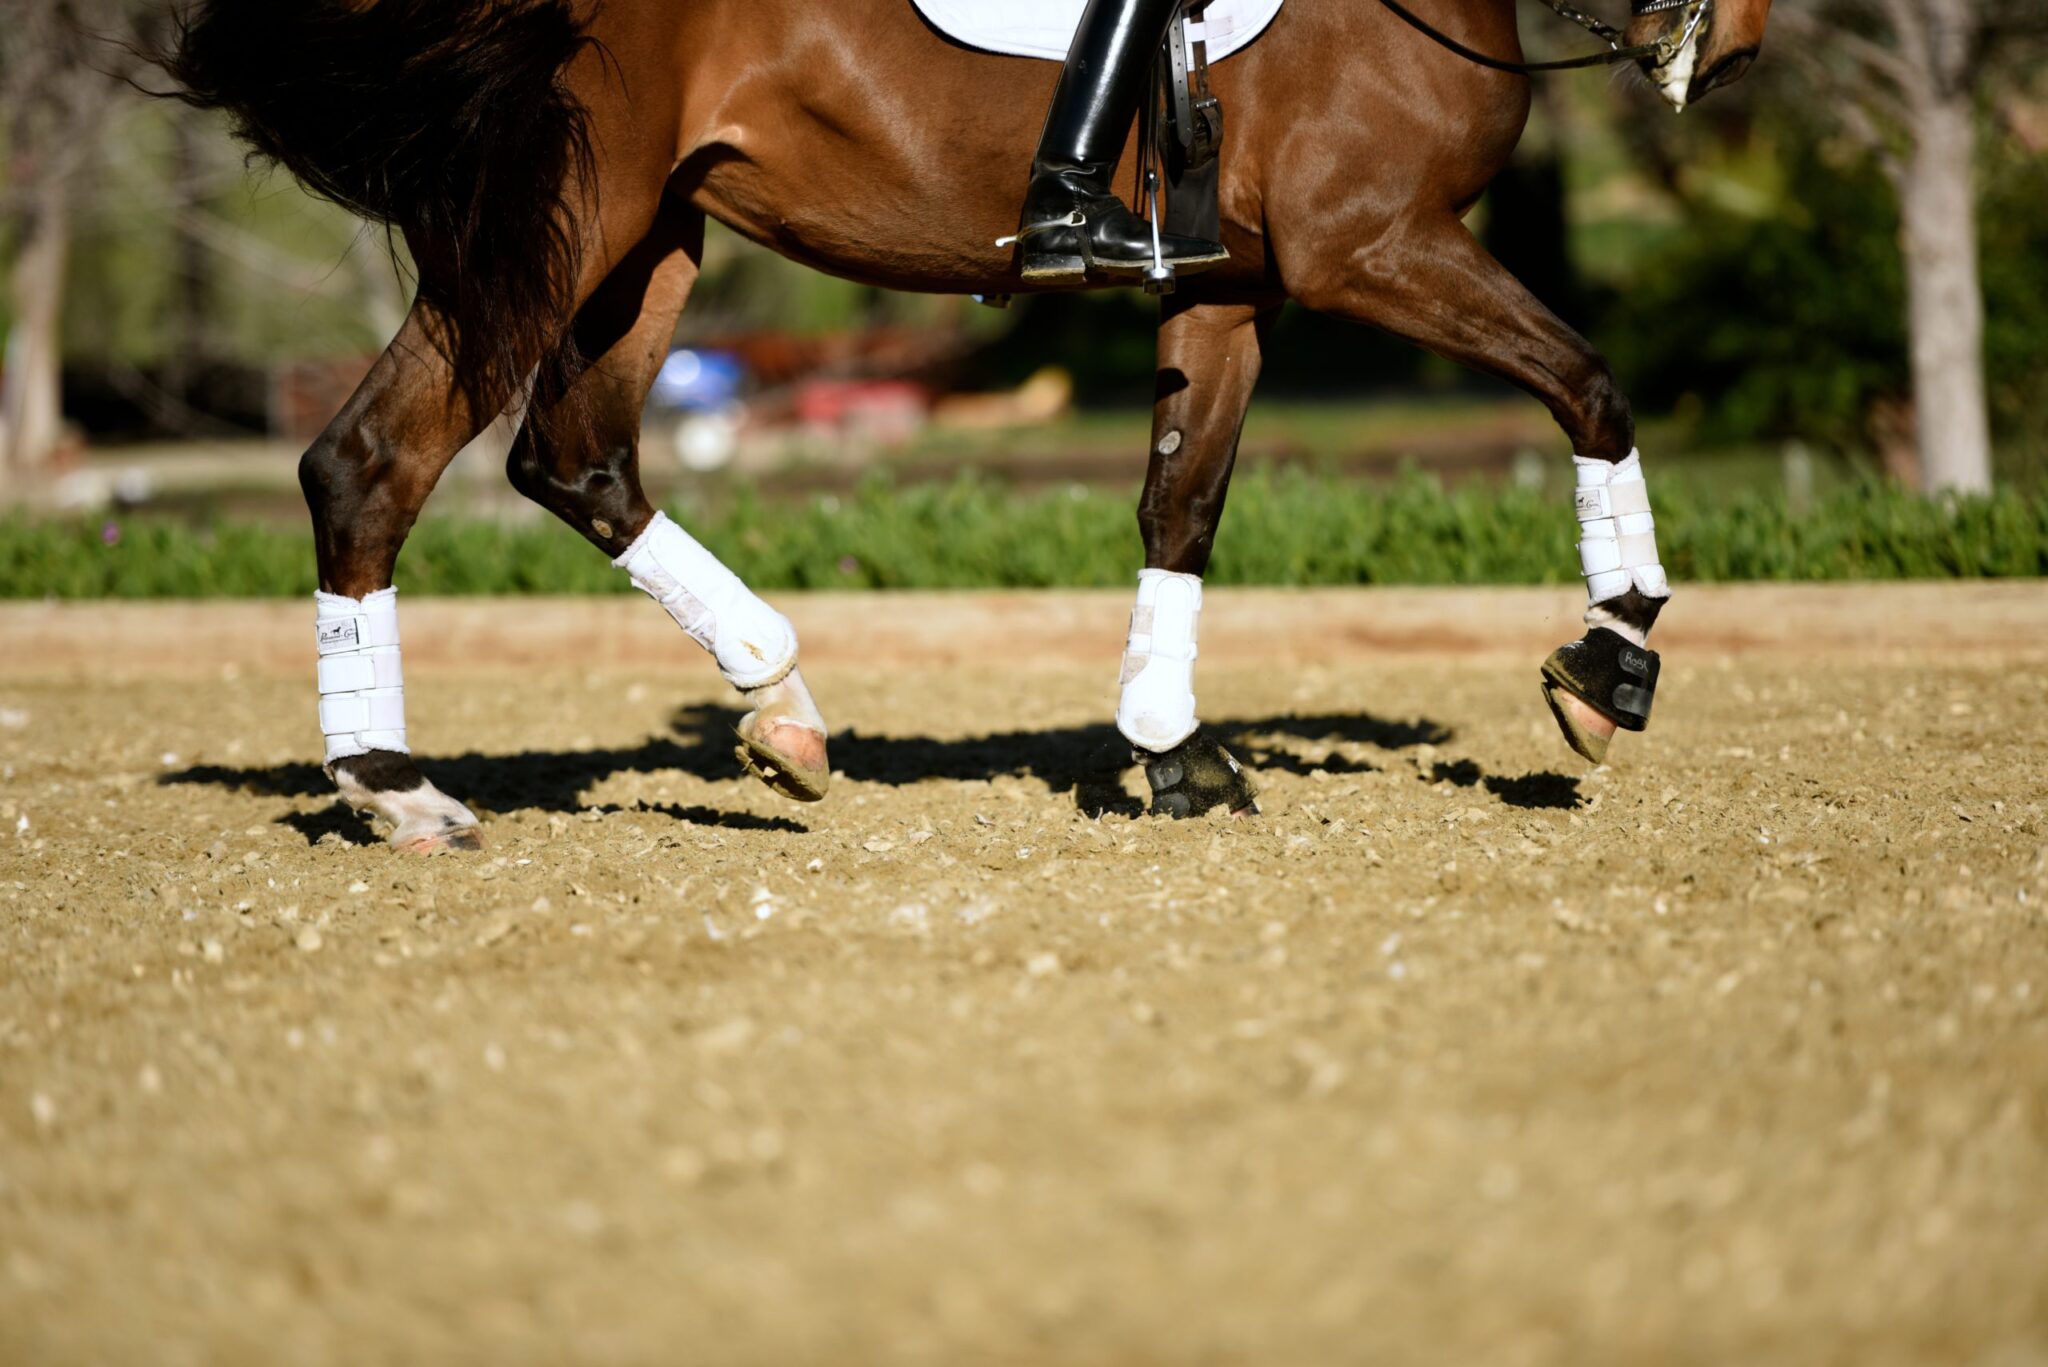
[
  {"x": 365, "y": 480},
  {"x": 1430, "y": 282},
  {"x": 579, "y": 458},
  {"x": 1208, "y": 363}
]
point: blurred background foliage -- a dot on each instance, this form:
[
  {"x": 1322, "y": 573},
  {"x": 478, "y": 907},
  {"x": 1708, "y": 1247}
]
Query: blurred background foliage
[
  {"x": 1741, "y": 266},
  {"x": 1287, "y": 527},
  {"x": 1810, "y": 337}
]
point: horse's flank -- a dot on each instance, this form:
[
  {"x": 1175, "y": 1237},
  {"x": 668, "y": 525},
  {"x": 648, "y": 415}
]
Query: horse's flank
[{"x": 856, "y": 139}]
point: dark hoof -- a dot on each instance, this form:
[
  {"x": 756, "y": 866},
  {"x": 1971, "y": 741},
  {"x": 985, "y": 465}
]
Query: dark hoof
[
  {"x": 1601, "y": 676},
  {"x": 1195, "y": 778}
]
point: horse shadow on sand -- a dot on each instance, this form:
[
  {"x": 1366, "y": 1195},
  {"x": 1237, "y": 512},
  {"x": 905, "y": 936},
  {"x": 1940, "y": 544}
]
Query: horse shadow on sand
[
  {"x": 531, "y": 780},
  {"x": 1088, "y": 761}
]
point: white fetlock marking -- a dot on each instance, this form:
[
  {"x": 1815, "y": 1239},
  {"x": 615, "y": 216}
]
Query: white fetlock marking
[
  {"x": 1157, "y": 710},
  {"x": 415, "y": 813},
  {"x": 753, "y": 643},
  {"x": 1601, "y": 616},
  {"x": 362, "y": 685},
  {"x": 1618, "y": 534},
  {"x": 789, "y": 699}
]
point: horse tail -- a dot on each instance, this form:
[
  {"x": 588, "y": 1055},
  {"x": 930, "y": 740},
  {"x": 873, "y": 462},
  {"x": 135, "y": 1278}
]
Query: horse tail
[{"x": 449, "y": 121}]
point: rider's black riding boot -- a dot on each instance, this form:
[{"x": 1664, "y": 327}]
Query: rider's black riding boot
[{"x": 1072, "y": 222}]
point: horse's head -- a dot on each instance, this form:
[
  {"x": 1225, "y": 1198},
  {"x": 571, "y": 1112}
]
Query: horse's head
[{"x": 1710, "y": 43}]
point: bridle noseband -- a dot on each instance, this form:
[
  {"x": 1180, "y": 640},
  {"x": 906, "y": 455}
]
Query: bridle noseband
[{"x": 1663, "y": 50}]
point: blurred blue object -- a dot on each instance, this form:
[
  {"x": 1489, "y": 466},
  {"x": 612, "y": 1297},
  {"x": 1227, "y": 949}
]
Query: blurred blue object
[{"x": 698, "y": 382}]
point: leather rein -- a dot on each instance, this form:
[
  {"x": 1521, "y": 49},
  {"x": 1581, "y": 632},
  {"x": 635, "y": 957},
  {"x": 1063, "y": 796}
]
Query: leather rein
[{"x": 1663, "y": 49}]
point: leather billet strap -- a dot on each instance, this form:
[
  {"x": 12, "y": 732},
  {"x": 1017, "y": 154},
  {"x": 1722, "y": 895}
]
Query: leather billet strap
[
  {"x": 1194, "y": 116},
  {"x": 362, "y": 678}
]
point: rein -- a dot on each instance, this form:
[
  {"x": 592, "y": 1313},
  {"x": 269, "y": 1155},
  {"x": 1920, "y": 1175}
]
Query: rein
[{"x": 1663, "y": 49}]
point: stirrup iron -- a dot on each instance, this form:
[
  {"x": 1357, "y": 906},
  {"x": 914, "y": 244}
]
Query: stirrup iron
[{"x": 1161, "y": 278}]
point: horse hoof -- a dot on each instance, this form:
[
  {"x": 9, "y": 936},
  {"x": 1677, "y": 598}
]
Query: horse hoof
[
  {"x": 782, "y": 741},
  {"x": 424, "y": 820},
  {"x": 441, "y": 840},
  {"x": 1597, "y": 685},
  {"x": 1586, "y": 731},
  {"x": 1195, "y": 778},
  {"x": 797, "y": 768}
]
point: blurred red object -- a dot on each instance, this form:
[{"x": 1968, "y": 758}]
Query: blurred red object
[{"x": 885, "y": 410}]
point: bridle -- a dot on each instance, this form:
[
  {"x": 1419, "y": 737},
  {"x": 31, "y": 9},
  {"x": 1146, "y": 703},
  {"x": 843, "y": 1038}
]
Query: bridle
[{"x": 1663, "y": 50}]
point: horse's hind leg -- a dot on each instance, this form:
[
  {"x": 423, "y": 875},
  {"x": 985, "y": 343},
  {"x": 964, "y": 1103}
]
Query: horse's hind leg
[
  {"x": 1208, "y": 363},
  {"x": 365, "y": 479},
  {"x": 579, "y": 458},
  {"x": 1435, "y": 286}
]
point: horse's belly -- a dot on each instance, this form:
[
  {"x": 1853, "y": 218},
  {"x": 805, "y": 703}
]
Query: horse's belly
[{"x": 896, "y": 239}]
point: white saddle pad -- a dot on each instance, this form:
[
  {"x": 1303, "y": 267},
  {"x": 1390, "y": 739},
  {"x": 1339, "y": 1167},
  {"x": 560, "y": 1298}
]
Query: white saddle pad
[{"x": 1045, "y": 28}]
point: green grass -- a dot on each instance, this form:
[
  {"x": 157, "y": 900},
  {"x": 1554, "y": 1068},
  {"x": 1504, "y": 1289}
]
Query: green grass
[{"x": 1289, "y": 528}]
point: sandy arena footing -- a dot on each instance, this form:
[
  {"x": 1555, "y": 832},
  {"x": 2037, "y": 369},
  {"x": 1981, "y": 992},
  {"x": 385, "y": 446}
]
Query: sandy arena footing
[{"x": 1733, "y": 1051}]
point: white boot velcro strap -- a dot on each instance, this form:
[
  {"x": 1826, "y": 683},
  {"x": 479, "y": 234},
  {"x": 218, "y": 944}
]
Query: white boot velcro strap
[
  {"x": 1157, "y": 710},
  {"x": 753, "y": 643},
  {"x": 1597, "y": 501},
  {"x": 356, "y": 673},
  {"x": 362, "y": 681},
  {"x": 356, "y": 713},
  {"x": 1618, "y": 551},
  {"x": 1634, "y": 551}
]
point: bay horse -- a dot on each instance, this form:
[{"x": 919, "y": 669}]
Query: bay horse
[{"x": 551, "y": 165}]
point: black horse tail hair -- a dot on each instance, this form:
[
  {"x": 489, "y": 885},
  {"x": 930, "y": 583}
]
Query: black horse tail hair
[{"x": 448, "y": 121}]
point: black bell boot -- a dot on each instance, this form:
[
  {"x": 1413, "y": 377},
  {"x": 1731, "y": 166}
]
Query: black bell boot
[{"x": 1072, "y": 222}]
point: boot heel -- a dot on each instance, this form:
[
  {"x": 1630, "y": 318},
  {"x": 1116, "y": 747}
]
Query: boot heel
[{"x": 1054, "y": 266}]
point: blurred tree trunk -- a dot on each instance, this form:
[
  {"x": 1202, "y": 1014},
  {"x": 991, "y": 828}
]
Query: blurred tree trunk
[
  {"x": 1903, "y": 78},
  {"x": 1945, "y": 298},
  {"x": 31, "y": 395},
  {"x": 62, "y": 66}
]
